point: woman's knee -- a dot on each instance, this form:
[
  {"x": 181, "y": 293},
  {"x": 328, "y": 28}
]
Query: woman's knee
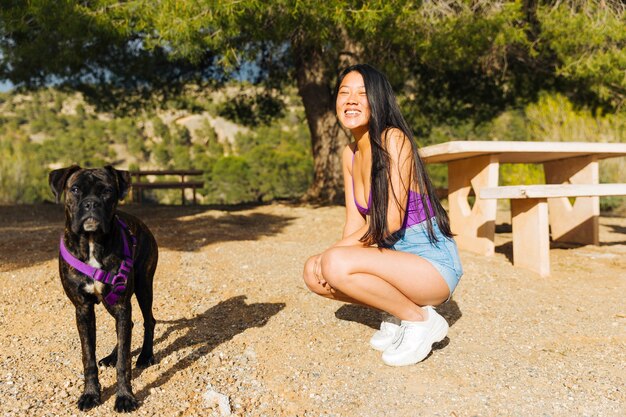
[
  {"x": 309, "y": 275},
  {"x": 334, "y": 266}
]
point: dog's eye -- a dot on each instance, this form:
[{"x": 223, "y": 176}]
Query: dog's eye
[{"x": 74, "y": 190}]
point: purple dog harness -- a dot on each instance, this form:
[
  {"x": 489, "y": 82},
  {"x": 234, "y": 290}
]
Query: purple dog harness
[{"x": 119, "y": 280}]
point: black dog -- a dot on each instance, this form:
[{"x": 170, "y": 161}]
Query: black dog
[{"x": 105, "y": 255}]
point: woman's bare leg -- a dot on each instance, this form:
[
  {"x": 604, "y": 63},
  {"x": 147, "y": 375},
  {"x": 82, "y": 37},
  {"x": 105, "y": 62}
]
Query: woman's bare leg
[
  {"x": 393, "y": 281},
  {"x": 323, "y": 288}
]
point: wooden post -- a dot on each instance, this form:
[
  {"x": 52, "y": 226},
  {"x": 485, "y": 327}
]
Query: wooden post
[
  {"x": 531, "y": 240},
  {"x": 135, "y": 190},
  {"x": 474, "y": 226},
  {"x": 577, "y": 223},
  {"x": 182, "y": 190},
  {"x": 139, "y": 190}
]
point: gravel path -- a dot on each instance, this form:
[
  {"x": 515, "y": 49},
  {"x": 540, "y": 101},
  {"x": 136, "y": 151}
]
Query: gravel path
[{"x": 238, "y": 334}]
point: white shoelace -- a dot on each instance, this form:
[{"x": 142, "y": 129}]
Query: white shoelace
[{"x": 402, "y": 332}]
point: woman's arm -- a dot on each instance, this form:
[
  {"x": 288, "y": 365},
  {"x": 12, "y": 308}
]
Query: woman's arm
[
  {"x": 354, "y": 238},
  {"x": 355, "y": 226},
  {"x": 400, "y": 170}
]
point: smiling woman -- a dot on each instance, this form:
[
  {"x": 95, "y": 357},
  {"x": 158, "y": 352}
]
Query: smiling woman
[
  {"x": 397, "y": 254},
  {"x": 353, "y": 109}
]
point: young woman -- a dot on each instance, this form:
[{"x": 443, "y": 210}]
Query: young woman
[{"x": 397, "y": 254}]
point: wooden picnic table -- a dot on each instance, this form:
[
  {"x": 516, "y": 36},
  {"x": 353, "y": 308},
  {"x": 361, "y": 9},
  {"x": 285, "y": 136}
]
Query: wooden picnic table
[
  {"x": 475, "y": 165},
  {"x": 138, "y": 185}
]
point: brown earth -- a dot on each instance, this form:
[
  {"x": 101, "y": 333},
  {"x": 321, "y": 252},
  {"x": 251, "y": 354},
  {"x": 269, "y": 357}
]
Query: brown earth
[{"x": 238, "y": 330}]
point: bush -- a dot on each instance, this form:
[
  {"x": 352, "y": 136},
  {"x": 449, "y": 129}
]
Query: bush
[
  {"x": 271, "y": 163},
  {"x": 23, "y": 175},
  {"x": 230, "y": 181}
]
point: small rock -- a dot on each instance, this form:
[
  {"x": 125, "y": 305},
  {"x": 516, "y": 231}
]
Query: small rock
[{"x": 213, "y": 398}]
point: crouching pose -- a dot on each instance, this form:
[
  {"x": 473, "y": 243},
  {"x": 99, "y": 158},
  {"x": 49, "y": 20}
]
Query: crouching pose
[{"x": 397, "y": 254}]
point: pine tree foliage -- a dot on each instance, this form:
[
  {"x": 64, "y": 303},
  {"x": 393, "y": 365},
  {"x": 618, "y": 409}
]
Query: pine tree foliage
[{"x": 463, "y": 69}]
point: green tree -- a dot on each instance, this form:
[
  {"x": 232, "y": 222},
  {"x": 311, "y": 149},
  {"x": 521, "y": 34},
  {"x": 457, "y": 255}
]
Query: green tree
[
  {"x": 279, "y": 161},
  {"x": 230, "y": 181},
  {"x": 22, "y": 174},
  {"x": 455, "y": 62}
]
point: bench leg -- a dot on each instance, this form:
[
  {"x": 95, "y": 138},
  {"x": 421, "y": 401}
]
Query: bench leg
[
  {"x": 531, "y": 238},
  {"x": 474, "y": 226},
  {"x": 577, "y": 223}
]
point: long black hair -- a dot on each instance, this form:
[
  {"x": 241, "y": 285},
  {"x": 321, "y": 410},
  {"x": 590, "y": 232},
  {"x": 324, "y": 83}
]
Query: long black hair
[{"x": 386, "y": 115}]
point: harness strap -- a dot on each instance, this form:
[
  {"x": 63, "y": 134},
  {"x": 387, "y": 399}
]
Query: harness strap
[{"x": 117, "y": 281}]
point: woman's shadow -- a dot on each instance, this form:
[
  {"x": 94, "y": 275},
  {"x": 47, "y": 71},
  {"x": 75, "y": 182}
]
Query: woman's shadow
[
  {"x": 205, "y": 332},
  {"x": 370, "y": 317}
]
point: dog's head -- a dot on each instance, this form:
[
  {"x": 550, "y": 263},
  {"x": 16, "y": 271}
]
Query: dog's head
[{"x": 91, "y": 195}]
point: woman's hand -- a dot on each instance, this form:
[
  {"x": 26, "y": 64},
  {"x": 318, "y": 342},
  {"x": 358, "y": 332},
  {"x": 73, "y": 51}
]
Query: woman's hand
[{"x": 317, "y": 271}]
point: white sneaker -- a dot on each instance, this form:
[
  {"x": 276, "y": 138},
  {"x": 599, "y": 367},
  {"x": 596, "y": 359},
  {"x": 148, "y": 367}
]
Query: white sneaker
[
  {"x": 384, "y": 337},
  {"x": 415, "y": 339}
]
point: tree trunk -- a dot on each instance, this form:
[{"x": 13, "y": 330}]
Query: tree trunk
[{"x": 314, "y": 76}]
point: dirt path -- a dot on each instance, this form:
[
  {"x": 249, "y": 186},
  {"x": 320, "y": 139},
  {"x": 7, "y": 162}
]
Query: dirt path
[{"x": 236, "y": 327}]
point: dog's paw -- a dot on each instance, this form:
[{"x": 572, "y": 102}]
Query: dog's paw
[
  {"x": 110, "y": 361},
  {"x": 143, "y": 361},
  {"x": 88, "y": 401},
  {"x": 125, "y": 403}
]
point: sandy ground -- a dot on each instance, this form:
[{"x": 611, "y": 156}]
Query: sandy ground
[{"x": 239, "y": 334}]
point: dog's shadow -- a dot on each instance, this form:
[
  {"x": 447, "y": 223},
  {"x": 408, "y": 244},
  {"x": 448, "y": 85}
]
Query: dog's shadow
[
  {"x": 204, "y": 332},
  {"x": 371, "y": 318}
]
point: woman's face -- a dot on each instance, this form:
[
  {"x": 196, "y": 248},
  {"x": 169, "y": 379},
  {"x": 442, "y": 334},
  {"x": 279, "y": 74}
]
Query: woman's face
[{"x": 353, "y": 109}]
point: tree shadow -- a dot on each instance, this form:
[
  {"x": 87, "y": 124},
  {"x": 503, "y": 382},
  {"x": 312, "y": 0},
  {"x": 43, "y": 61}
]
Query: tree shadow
[
  {"x": 189, "y": 228},
  {"x": 204, "y": 332},
  {"x": 30, "y": 234}
]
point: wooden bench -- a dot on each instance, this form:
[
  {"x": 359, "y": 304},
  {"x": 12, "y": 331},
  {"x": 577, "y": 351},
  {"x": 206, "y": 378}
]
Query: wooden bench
[
  {"x": 529, "y": 216},
  {"x": 138, "y": 185}
]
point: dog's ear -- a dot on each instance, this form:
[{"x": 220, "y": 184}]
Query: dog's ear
[
  {"x": 123, "y": 180},
  {"x": 58, "y": 178}
]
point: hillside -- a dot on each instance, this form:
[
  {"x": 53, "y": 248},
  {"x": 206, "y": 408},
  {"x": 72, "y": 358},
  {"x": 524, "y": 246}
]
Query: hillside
[{"x": 223, "y": 134}]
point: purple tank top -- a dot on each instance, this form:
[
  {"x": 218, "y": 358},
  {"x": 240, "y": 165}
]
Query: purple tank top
[{"x": 415, "y": 212}]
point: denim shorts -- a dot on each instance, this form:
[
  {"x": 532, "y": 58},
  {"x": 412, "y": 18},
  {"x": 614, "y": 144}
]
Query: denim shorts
[{"x": 442, "y": 254}]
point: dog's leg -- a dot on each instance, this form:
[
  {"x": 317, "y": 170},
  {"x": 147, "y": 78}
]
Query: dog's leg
[
  {"x": 86, "y": 324},
  {"x": 125, "y": 400},
  {"x": 144, "y": 299}
]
